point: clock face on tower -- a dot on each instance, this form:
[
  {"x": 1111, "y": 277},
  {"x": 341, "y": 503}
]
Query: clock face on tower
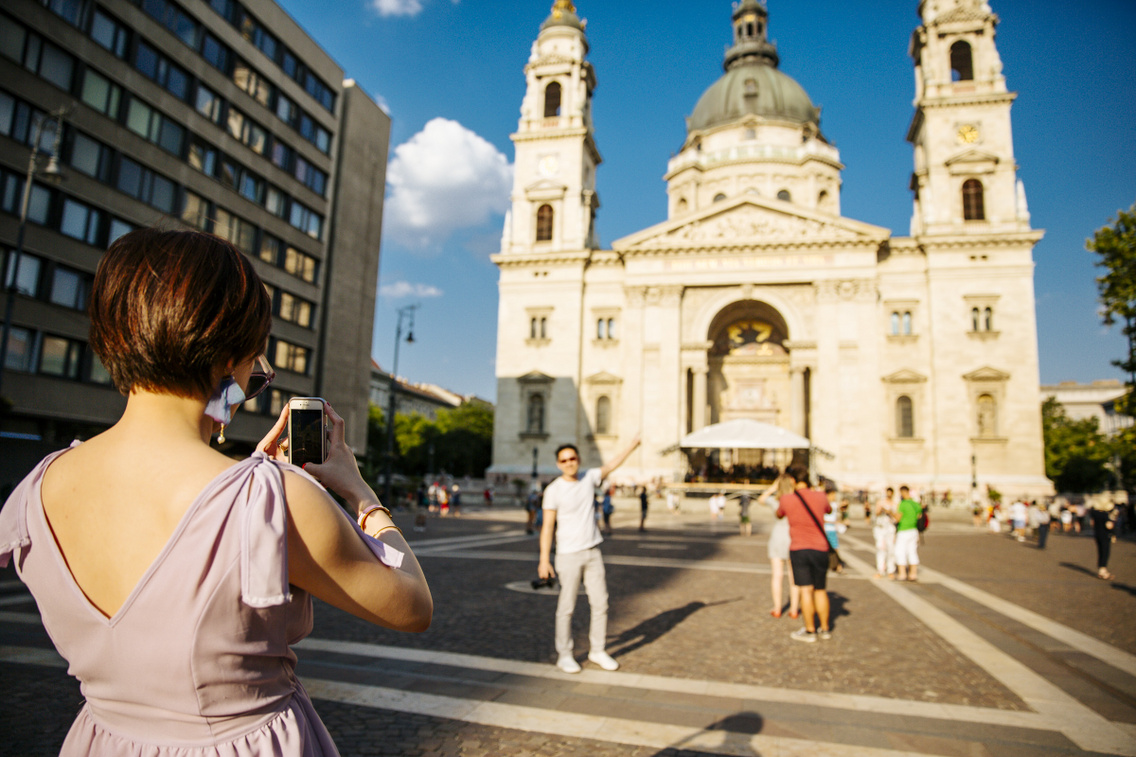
[
  {"x": 549, "y": 165},
  {"x": 968, "y": 134}
]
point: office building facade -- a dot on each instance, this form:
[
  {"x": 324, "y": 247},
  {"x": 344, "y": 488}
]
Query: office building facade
[{"x": 223, "y": 116}]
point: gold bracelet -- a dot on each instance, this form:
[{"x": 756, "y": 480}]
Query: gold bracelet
[
  {"x": 388, "y": 528},
  {"x": 363, "y": 515}
]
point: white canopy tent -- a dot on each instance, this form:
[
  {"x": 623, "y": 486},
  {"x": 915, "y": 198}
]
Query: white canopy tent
[{"x": 743, "y": 433}]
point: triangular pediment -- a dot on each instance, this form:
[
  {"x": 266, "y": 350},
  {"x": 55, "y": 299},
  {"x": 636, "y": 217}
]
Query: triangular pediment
[
  {"x": 905, "y": 376},
  {"x": 751, "y": 220},
  {"x": 545, "y": 189},
  {"x": 603, "y": 377},
  {"x": 986, "y": 373},
  {"x": 972, "y": 157},
  {"x": 535, "y": 377}
]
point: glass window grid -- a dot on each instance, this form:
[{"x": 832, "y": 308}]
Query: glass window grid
[
  {"x": 52, "y": 355},
  {"x": 290, "y": 357},
  {"x": 46, "y": 208},
  {"x": 243, "y": 74},
  {"x": 252, "y": 30},
  {"x": 48, "y": 281}
]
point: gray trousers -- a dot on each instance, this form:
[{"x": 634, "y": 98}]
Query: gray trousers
[{"x": 570, "y": 568}]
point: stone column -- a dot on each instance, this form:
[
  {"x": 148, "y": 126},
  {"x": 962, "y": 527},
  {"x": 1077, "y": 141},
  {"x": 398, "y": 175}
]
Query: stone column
[{"x": 797, "y": 411}]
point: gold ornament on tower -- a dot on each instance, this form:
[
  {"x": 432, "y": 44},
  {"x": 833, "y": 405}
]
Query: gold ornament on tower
[{"x": 560, "y": 6}]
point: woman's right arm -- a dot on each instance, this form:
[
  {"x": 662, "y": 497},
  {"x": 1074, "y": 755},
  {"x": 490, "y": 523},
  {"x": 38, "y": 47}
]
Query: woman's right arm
[{"x": 326, "y": 556}]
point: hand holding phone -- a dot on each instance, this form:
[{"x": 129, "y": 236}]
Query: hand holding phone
[{"x": 307, "y": 431}]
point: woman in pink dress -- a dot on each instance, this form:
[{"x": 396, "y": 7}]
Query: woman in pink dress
[{"x": 172, "y": 579}]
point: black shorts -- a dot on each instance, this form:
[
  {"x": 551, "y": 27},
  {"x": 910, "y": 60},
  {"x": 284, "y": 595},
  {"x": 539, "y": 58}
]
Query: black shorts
[{"x": 810, "y": 567}]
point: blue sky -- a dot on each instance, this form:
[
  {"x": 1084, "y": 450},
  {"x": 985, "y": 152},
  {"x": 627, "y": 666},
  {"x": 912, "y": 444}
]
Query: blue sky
[{"x": 450, "y": 73}]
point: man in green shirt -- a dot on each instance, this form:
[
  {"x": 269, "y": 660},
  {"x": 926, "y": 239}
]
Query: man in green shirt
[{"x": 907, "y": 536}]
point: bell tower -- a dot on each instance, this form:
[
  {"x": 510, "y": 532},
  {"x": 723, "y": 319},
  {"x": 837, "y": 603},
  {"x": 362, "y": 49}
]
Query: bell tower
[
  {"x": 965, "y": 179},
  {"x": 554, "y": 200}
]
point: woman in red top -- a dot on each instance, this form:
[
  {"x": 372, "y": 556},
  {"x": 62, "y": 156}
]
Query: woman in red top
[{"x": 808, "y": 552}]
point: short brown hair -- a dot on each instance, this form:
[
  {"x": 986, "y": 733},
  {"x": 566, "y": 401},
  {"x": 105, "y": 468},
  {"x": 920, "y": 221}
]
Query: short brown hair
[
  {"x": 798, "y": 473},
  {"x": 169, "y": 307}
]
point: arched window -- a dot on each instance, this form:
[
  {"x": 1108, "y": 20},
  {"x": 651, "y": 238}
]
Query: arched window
[
  {"x": 907, "y": 323},
  {"x": 784, "y": 195},
  {"x": 535, "y": 421},
  {"x": 895, "y": 324},
  {"x": 988, "y": 319},
  {"x": 533, "y": 329},
  {"x": 543, "y": 328},
  {"x": 987, "y": 416},
  {"x": 973, "y": 207},
  {"x": 603, "y": 415},
  {"x": 974, "y": 316},
  {"x": 681, "y": 206},
  {"x": 611, "y": 328},
  {"x": 962, "y": 63},
  {"x": 600, "y": 328},
  {"x": 544, "y": 223},
  {"x": 552, "y": 100},
  {"x": 904, "y": 418},
  {"x": 719, "y": 197},
  {"x": 822, "y": 199}
]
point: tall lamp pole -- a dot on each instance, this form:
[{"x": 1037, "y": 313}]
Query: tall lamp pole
[
  {"x": 53, "y": 171},
  {"x": 408, "y": 313}
]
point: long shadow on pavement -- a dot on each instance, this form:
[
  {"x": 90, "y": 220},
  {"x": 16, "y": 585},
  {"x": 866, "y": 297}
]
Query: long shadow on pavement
[
  {"x": 651, "y": 629},
  {"x": 738, "y": 729}
]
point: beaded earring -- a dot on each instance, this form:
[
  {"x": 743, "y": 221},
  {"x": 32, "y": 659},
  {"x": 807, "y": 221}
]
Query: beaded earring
[{"x": 221, "y": 404}]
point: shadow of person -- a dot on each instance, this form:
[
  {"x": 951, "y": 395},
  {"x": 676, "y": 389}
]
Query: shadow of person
[
  {"x": 651, "y": 629},
  {"x": 1078, "y": 568},
  {"x": 737, "y": 732},
  {"x": 838, "y": 607}
]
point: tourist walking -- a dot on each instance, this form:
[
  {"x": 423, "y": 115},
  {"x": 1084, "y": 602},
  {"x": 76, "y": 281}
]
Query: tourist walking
[
  {"x": 568, "y": 503},
  {"x": 883, "y": 531},
  {"x": 778, "y": 550},
  {"x": 1101, "y": 516},
  {"x": 1039, "y": 521},
  {"x": 907, "y": 536},
  {"x": 745, "y": 527},
  {"x": 643, "y": 502},
  {"x": 808, "y": 553}
]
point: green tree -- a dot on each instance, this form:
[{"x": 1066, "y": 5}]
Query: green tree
[
  {"x": 1116, "y": 247},
  {"x": 461, "y": 438},
  {"x": 1077, "y": 455}
]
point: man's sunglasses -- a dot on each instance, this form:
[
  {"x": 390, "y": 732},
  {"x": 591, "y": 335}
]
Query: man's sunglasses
[{"x": 262, "y": 375}]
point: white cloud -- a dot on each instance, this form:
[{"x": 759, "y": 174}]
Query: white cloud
[
  {"x": 401, "y": 289},
  {"x": 397, "y": 7},
  {"x": 442, "y": 179}
]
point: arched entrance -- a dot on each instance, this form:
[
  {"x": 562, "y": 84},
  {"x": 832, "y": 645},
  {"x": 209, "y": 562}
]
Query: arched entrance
[{"x": 748, "y": 365}]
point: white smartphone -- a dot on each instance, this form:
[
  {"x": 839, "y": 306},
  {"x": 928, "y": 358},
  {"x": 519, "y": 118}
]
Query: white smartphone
[{"x": 307, "y": 431}]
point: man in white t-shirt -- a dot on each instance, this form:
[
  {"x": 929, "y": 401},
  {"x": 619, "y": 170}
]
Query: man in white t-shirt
[{"x": 569, "y": 500}]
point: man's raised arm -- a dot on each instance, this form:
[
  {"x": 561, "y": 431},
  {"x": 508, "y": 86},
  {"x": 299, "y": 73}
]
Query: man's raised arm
[{"x": 607, "y": 469}]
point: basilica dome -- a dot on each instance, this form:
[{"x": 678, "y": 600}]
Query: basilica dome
[
  {"x": 753, "y": 88},
  {"x": 752, "y": 84}
]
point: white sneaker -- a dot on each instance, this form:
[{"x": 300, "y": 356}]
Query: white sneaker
[
  {"x": 604, "y": 660},
  {"x": 568, "y": 664}
]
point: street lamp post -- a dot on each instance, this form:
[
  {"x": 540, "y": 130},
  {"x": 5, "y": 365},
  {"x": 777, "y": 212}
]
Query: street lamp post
[
  {"x": 535, "y": 476},
  {"x": 405, "y": 312},
  {"x": 52, "y": 170}
]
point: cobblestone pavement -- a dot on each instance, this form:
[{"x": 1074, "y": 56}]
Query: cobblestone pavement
[{"x": 1000, "y": 649}]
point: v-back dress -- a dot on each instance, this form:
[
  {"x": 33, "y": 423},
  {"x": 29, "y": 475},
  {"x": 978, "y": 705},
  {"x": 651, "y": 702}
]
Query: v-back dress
[{"x": 196, "y": 661}]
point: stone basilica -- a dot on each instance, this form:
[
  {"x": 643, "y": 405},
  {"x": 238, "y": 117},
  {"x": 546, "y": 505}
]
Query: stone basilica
[{"x": 905, "y": 359}]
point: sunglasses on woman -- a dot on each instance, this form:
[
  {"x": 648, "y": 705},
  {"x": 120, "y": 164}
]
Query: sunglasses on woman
[{"x": 262, "y": 375}]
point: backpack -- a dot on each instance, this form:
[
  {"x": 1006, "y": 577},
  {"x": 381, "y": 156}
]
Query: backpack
[{"x": 923, "y": 521}]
